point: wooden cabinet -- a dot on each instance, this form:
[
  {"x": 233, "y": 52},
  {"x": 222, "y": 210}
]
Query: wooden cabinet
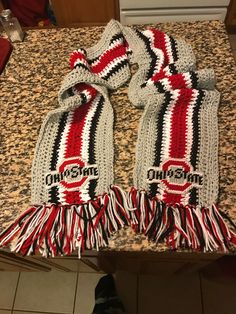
[
  {"x": 13, "y": 262},
  {"x": 85, "y": 13},
  {"x": 231, "y": 17}
]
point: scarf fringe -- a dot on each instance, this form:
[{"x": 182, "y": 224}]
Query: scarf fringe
[
  {"x": 61, "y": 229},
  {"x": 191, "y": 227}
]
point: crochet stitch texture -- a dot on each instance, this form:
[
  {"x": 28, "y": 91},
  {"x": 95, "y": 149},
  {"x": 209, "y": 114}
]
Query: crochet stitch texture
[{"x": 76, "y": 205}]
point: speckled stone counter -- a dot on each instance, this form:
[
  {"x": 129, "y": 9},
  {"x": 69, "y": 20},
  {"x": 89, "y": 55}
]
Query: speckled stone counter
[{"x": 28, "y": 90}]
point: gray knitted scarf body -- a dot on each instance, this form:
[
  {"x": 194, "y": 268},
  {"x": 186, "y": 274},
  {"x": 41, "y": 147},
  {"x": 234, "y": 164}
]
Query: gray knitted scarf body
[{"x": 75, "y": 202}]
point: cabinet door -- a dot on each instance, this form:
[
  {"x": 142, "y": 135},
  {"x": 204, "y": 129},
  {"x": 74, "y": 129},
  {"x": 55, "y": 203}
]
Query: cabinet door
[
  {"x": 14, "y": 262},
  {"x": 171, "y": 15},
  {"x": 231, "y": 17},
  {"x": 82, "y": 13},
  {"x": 167, "y": 4}
]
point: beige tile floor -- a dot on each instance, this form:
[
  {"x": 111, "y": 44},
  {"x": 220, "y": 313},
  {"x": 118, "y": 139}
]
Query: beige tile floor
[{"x": 59, "y": 292}]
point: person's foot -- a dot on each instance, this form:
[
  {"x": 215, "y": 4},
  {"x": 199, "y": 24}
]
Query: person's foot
[{"x": 106, "y": 299}]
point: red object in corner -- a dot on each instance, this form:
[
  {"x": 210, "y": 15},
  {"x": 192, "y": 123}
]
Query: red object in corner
[
  {"x": 28, "y": 12},
  {"x": 5, "y": 52}
]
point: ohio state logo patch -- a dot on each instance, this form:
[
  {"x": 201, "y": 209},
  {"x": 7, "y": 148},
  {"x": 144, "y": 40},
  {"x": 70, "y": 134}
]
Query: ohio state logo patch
[
  {"x": 72, "y": 174},
  {"x": 175, "y": 176}
]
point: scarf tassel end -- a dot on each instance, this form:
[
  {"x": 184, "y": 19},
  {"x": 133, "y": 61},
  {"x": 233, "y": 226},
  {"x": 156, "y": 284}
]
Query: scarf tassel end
[{"x": 62, "y": 229}]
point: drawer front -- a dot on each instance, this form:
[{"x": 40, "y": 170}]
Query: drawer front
[
  {"x": 155, "y": 4},
  {"x": 173, "y": 15}
]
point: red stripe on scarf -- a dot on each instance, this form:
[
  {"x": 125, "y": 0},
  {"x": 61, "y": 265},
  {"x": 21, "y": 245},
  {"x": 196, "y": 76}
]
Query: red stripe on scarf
[
  {"x": 74, "y": 145},
  {"x": 177, "y": 81},
  {"x": 74, "y": 138},
  {"x": 159, "y": 76},
  {"x": 89, "y": 91},
  {"x": 77, "y": 55},
  {"x": 178, "y": 137},
  {"x": 108, "y": 57},
  {"x": 179, "y": 125},
  {"x": 171, "y": 198},
  {"x": 160, "y": 43}
]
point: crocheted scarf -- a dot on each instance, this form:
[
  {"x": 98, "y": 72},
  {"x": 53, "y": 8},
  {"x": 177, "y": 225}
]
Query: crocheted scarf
[{"x": 76, "y": 204}]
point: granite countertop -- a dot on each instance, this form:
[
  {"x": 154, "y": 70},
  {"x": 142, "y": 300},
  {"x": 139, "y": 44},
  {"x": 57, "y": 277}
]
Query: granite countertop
[{"x": 28, "y": 90}]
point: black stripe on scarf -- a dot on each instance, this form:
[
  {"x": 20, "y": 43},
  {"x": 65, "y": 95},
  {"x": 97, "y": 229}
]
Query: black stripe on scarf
[
  {"x": 158, "y": 144},
  {"x": 116, "y": 68},
  {"x": 92, "y": 137},
  {"x": 193, "y": 198},
  {"x": 117, "y": 37},
  {"x": 81, "y": 65},
  {"x": 173, "y": 48},
  {"x": 153, "y": 57},
  {"x": 53, "y": 192},
  {"x": 194, "y": 79},
  {"x": 113, "y": 39},
  {"x": 172, "y": 68}
]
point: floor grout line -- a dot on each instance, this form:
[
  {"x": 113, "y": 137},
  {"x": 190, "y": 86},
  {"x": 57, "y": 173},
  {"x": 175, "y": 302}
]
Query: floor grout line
[
  {"x": 137, "y": 295},
  {"x": 32, "y": 311},
  {"x": 14, "y": 299},
  {"x": 76, "y": 286},
  {"x": 201, "y": 292}
]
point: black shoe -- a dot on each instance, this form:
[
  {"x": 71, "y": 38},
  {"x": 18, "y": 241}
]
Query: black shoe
[{"x": 106, "y": 299}]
